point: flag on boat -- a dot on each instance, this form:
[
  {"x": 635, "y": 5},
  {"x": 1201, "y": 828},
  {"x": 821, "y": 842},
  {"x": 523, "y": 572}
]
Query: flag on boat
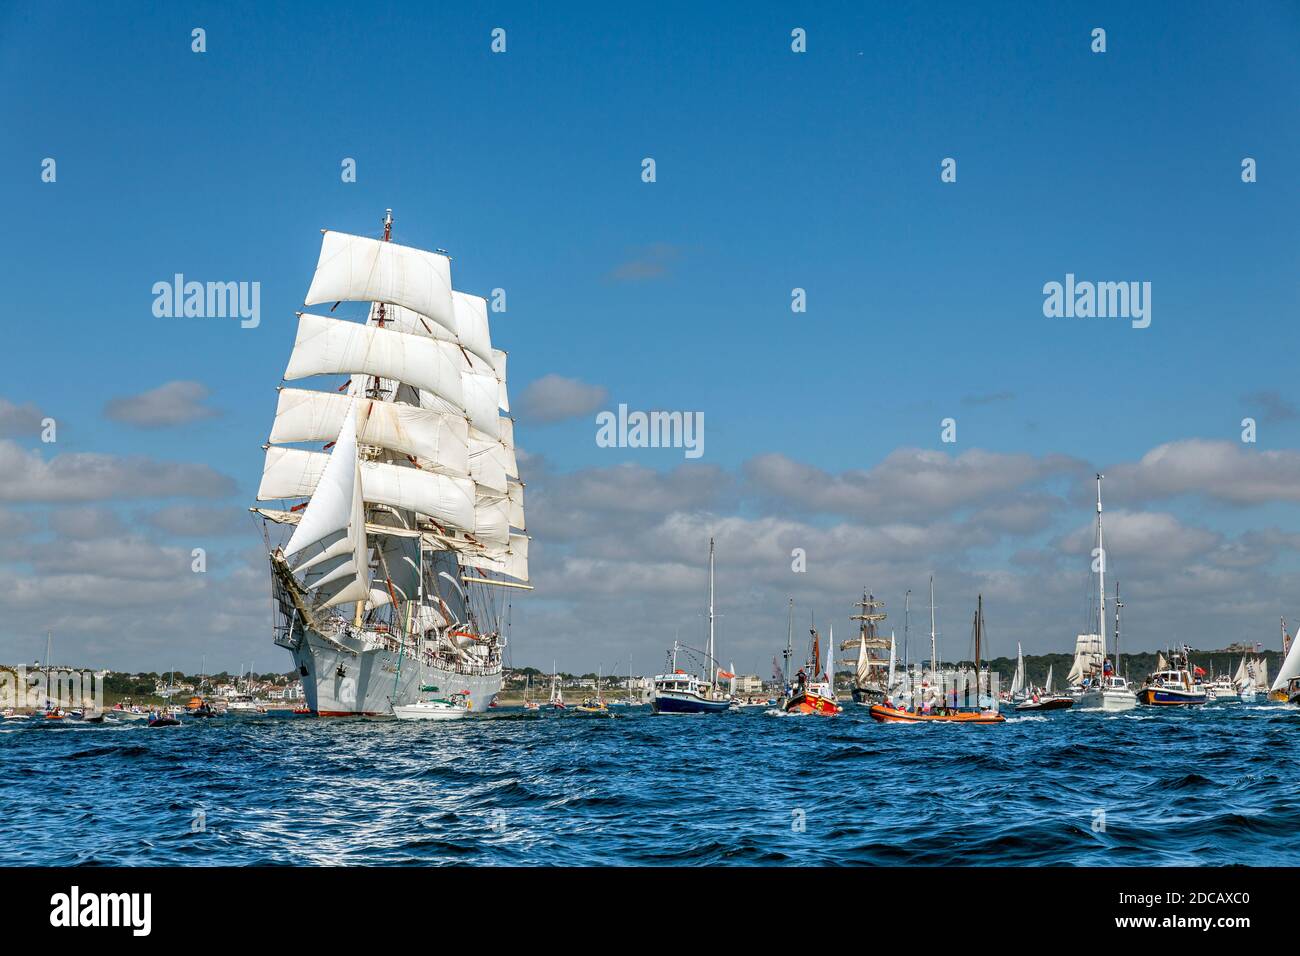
[
  {"x": 1199, "y": 671},
  {"x": 725, "y": 675}
]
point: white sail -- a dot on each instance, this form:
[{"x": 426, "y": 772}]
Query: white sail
[
  {"x": 862, "y": 669},
  {"x": 515, "y": 495},
  {"x": 439, "y": 440},
  {"x": 889, "y": 684},
  {"x": 1260, "y": 671},
  {"x": 1018, "y": 679},
  {"x": 1242, "y": 676},
  {"x": 448, "y": 500},
  {"x": 326, "y": 346},
  {"x": 336, "y": 515},
  {"x": 1087, "y": 654},
  {"x": 499, "y": 364},
  {"x": 1290, "y": 668},
  {"x": 1047, "y": 688},
  {"x": 492, "y": 519},
  {"x": 358, "y": 269}
]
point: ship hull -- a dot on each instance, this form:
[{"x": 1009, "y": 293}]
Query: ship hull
[
  {"x": 683, "y": 703},
  {"x": 349, "y": 679},
  {"x": 1170, "y": 697}
]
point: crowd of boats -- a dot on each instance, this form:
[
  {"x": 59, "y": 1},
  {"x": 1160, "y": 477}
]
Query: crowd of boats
[{"x": 929, "y": 692}]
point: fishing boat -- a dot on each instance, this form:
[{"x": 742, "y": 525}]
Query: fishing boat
[
  {"x": 409, "y": 521},
  {"x": 1101, "y": 687},
  {"x": 1045, "y": 699},
  {"x": 1286, "y": 686},
  {"x": 869, "y": 667},
  {"x": 452, "y": 707},
  {"x": 1174, "y": 682},
  {"x": 679, "y": 692},
  {"x": 962, "y": 707},
  {"x": 813, "y": 691}
]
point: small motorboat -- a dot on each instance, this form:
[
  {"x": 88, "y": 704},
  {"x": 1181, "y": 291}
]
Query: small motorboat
[
  {"x": 10, "y": 714},
  {"x": 894, "y": 715},
  {"x": 813, "y": 698},
  {"x": 1037, "y": 702},
  {"x": 162, "y": 720},
  {"x": 95, "y": 718},
  {"x": 435, "y": 708},
  {"x": 592, "y": 705}
]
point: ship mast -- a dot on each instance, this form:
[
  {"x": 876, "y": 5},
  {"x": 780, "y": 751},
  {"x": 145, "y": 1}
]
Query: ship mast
[
  {"x": 712, "y": 664},
  {"x": 934, "y": 664},
  {"x": 1101, "y": 578},
  {"x": 789, "y": 643},
  {"x": 979, "y": 627}
]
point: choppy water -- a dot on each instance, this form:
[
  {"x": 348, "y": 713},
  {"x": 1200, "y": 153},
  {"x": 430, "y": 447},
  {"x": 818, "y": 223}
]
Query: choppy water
[{"x": 1214, "y": 785}]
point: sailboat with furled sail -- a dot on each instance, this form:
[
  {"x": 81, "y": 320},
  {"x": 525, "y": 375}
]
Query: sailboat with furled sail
[{"x": 409, "y": 519}]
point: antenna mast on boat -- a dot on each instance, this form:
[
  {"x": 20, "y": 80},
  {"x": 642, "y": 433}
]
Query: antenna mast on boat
[{"x": 979, "y": 626}]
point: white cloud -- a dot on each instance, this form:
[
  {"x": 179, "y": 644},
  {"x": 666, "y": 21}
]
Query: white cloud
[
  {"x": 554, "y": 398},
  {"x": 174, "y": 403},
  {"x": 92, "y": 476}
]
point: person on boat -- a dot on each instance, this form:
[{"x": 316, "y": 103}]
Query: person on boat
[{"x": 801, "y": 679}]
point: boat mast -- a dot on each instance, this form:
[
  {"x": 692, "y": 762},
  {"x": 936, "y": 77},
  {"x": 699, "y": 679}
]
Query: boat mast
[
  {"x": 1101, "y": 577},
  {"x": 712, "y": 663},
  {"x": 907, "y": 616},
  {"x": 933, "y": 645},
  {"x": 979, "y": 621},
  {"x": 789, "y": 642}
]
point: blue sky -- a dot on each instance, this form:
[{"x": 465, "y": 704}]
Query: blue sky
[{"x": 774, "y": 170}]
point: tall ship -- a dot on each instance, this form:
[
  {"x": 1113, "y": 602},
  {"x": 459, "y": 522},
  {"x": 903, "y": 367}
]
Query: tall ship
[
  {"x": 871, "y": 666},
  {"x": 398, "y": 487}
]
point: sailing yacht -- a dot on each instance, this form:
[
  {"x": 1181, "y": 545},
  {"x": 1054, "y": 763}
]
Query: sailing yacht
[
  {"x": 409, "y": 520},
  {"x": 529, "y": 703},
  {"x": 557, "y": 692},
  {"x": 1286, "y": 686},
  {"x": 1277, "y": 691},
  {"x": 679, "y": 692},
  {"x": 1105, "y": 689}
]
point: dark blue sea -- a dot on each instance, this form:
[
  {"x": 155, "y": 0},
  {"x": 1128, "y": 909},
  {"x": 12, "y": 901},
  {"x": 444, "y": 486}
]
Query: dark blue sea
[{"x": 1214, "y": 785}]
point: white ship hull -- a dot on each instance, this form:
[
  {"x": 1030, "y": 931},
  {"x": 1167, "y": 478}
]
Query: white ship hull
[
  {"x": 1109, "y": 700},
  {"x": 347, "y": 678}
]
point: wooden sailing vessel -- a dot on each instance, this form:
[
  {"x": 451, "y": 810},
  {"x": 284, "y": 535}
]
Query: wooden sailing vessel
[{"x": 936, "y": 709}]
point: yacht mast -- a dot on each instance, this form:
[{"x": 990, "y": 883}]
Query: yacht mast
[
  {"x": 933, "y": 645},
  {"x": 1101, "y": 577},
  {"x": 907, "y": 616},
  {"x": 712, "y": 664}
]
